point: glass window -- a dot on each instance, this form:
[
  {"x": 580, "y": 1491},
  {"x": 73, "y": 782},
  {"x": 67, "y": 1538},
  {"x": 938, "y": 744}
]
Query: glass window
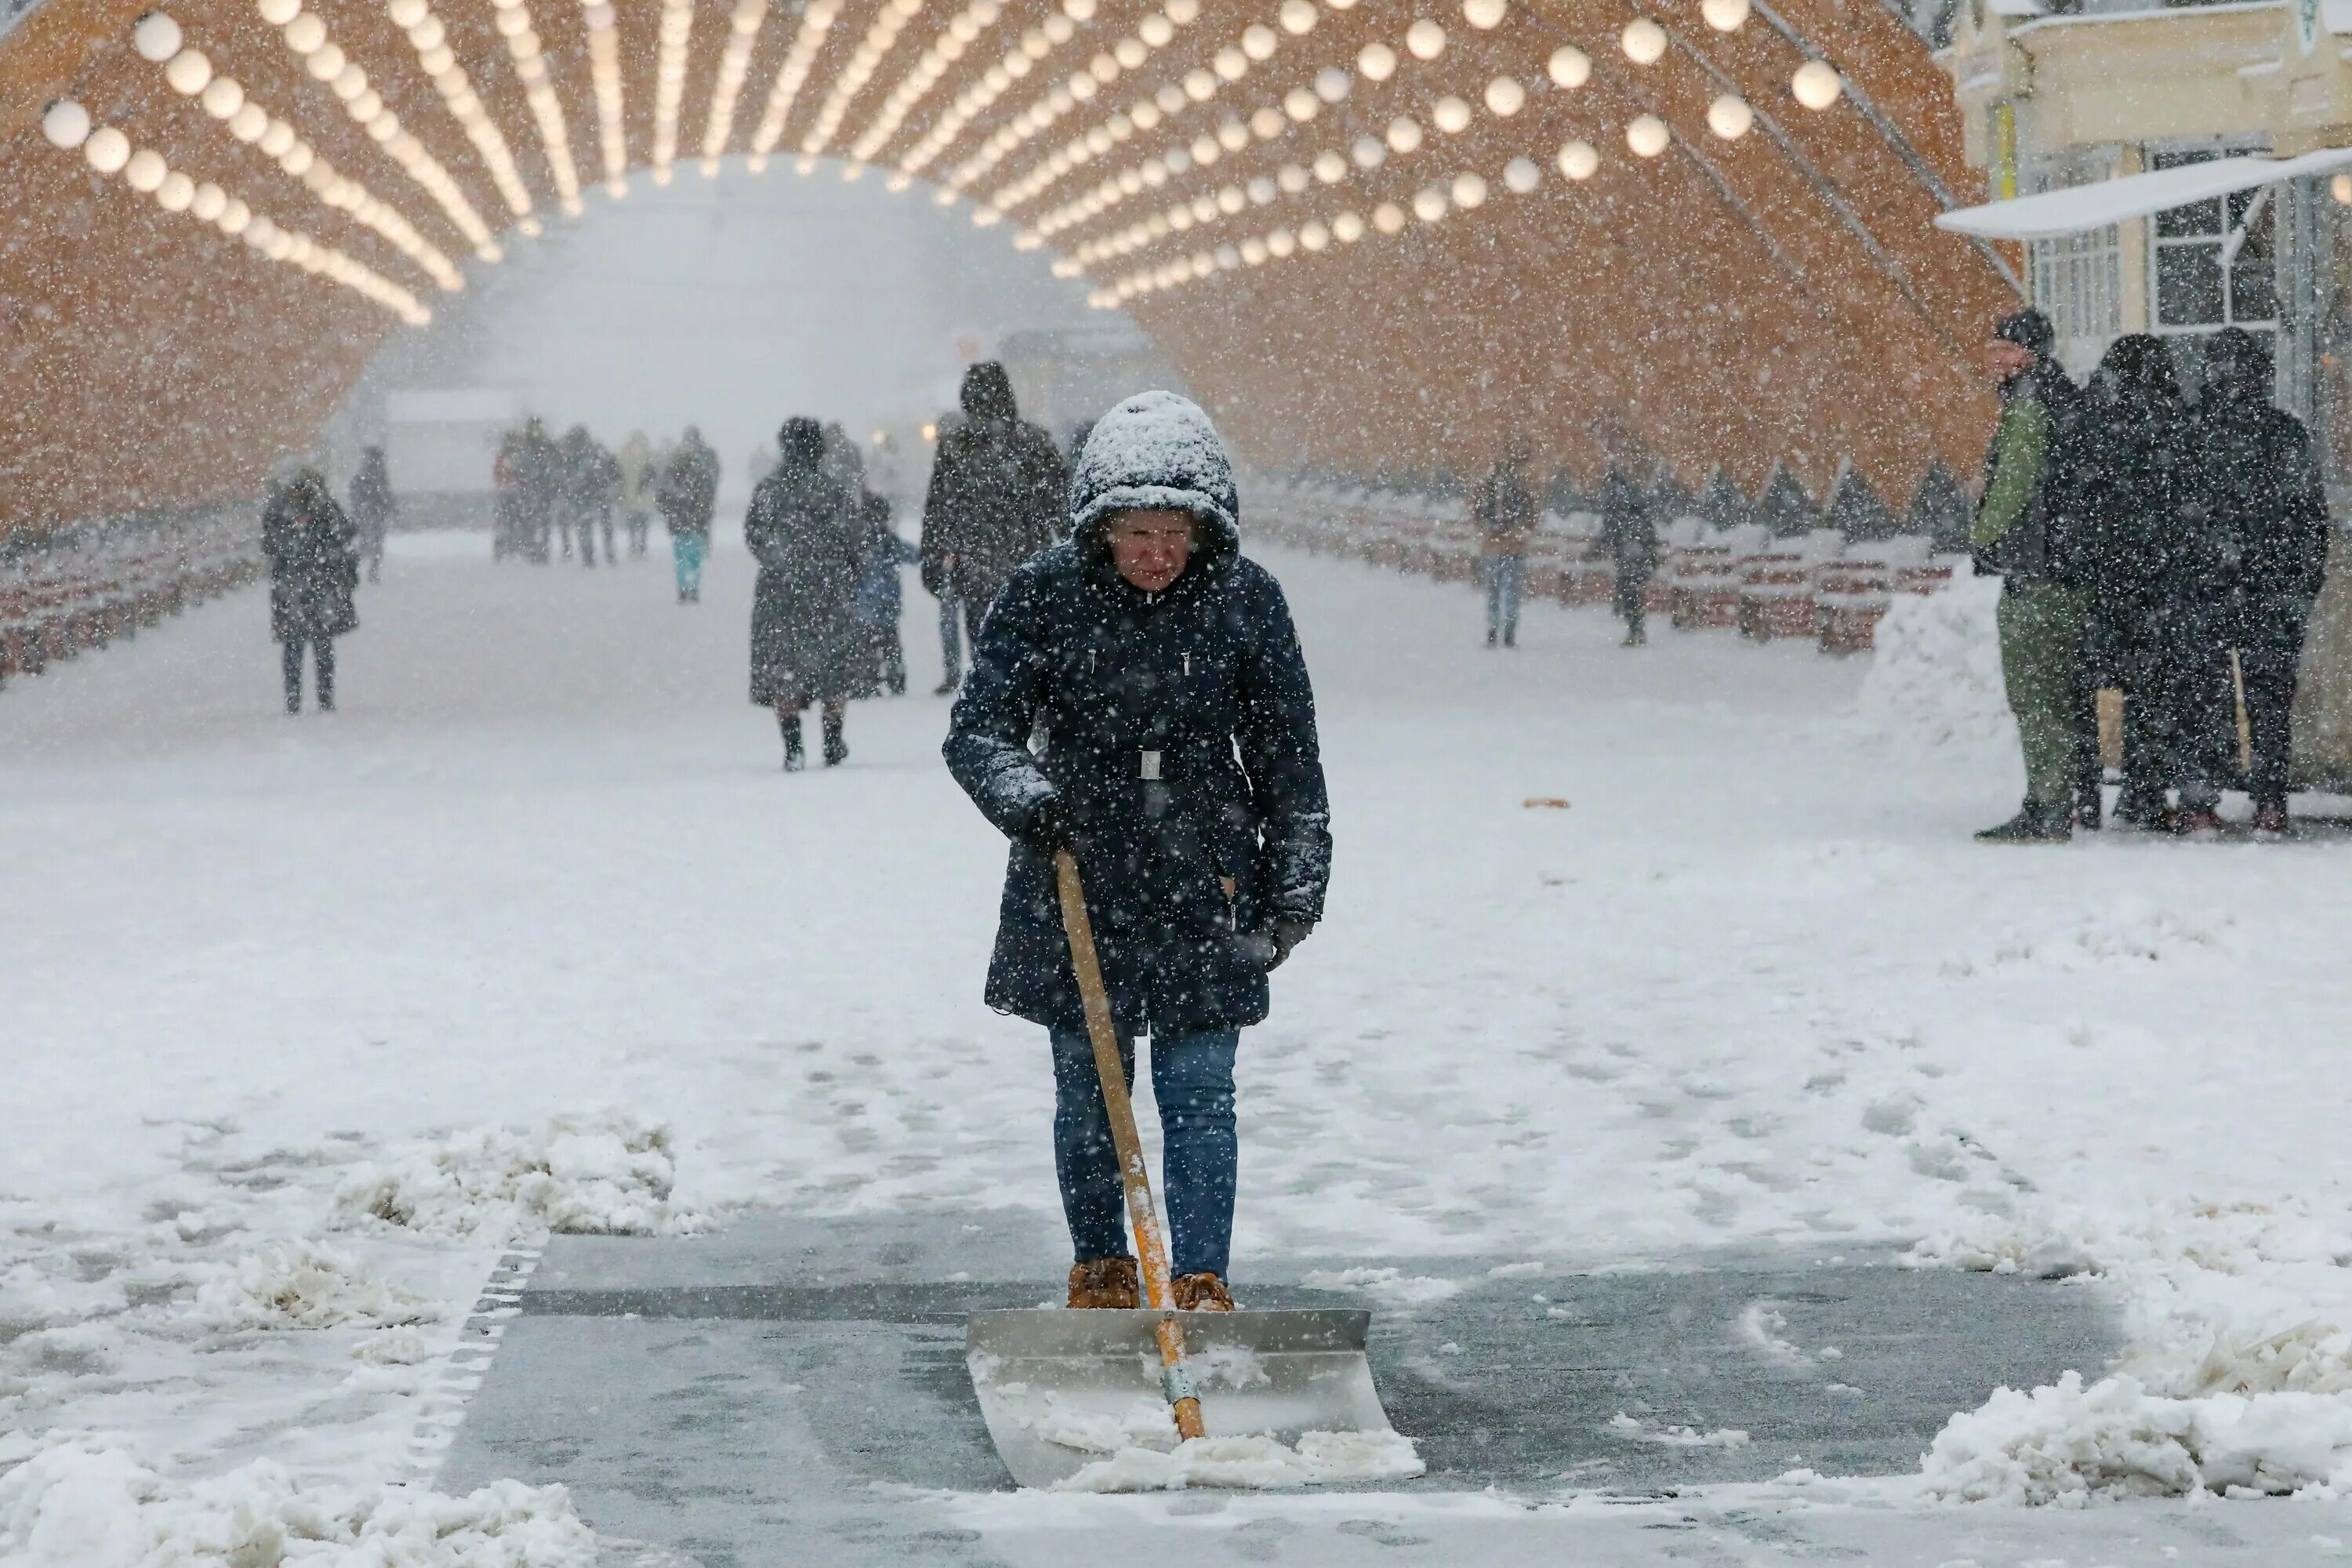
[{"x": 2195, "y": 293}]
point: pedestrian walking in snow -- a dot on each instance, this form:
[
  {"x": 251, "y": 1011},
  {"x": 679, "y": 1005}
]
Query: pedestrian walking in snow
[
  {"x": 807, "y": 646},
  {"x": 530, "y": 477},
  {"x": 638, "y": 472},
  {"x": 880, "y": 594},
  {"x": 313, "y": 576},
  {"x": 996, "y": 498},
  {"x": 1504, "y": 510},
  {"x": 372, "y": 508},
  {"x": 2022, "y": 534},
  {"x": 2268, "y": 524},
  {"x": 2137, "y": 508},
  {"x": 592, "y": 486},
  {"x": 1179, "y": 765},
  {"x": 1629, "y": 532},
  {"x": 688, "y": 494}
]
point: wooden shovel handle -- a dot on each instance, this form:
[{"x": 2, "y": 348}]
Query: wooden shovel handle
[{"x": 1135, "y": 1175}]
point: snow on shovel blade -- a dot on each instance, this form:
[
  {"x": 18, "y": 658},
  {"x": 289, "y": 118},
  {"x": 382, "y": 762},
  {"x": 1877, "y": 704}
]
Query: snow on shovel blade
[{"x": 1062, "y": 1389}]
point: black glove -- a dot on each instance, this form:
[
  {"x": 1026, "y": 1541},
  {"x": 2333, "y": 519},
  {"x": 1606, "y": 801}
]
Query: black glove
[
  {"x": 1050, "y": 827},
  {"x": 1271, "y": 946}
]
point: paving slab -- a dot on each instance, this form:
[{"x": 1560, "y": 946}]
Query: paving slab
[{"x": 792, "y": 1390}]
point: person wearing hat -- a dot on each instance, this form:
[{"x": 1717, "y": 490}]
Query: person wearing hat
[
  {"x": 2022, "y": 535},
  {"x": 1180, "y": 766}
]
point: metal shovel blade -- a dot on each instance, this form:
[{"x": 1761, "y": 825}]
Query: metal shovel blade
[{"x": 1060, "y": 1389}]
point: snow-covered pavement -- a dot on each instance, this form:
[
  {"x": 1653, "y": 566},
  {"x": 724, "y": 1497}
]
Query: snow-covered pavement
[{"x": 1752, "y": 987}]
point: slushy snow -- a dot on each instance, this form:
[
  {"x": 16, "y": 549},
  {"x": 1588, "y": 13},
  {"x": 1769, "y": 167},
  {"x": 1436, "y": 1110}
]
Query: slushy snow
[
  {"x": 604, "y": 1173},
  {"x": 1256, "y": 1463}
]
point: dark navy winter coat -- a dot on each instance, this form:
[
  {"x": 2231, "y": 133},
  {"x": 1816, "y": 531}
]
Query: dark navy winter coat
[{"x": 1204, "y": 685}]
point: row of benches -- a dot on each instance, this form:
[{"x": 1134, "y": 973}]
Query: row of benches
[
  {"x": 1820, "y": 585},
  {"x": 87, "y": 589}
]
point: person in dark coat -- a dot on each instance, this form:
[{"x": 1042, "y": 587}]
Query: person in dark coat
[
  {"x": 1180, "y": 766},
  {"x": 537, "y": 476},
  {"x": 995, "y": 500},
  {"x": 1629, "y": 532},
  {"x": 372, "y": 508},
  {"x": 590, "y": 489},
  {"x": 807, "y": 646},
  {"x": 2268, "y": 524},
  {"x": 313, "y": 576},
  {"x": 880, "y": 594},
  {"x": 2137, "y": 501},
  {"x": 687, "y": 495},
  {"x": 1504, "y": 509}
]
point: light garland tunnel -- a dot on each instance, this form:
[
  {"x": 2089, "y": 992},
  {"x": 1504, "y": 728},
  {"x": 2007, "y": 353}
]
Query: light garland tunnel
[{"x": 1372, "y": 236}]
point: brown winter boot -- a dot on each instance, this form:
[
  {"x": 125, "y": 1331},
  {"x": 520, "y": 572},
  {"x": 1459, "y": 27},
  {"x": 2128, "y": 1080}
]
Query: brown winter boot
[
  {"x": 1105, "y": 1282},
  {"x": 1202, "y": 1293}
]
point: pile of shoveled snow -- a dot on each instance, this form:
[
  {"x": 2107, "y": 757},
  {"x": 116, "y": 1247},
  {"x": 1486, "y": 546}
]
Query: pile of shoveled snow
[
  {"x": 91, "y": 1504},
  {"x": 1319, "y": 1458},
  {"x": 1935, "y": 674},
  {"x": 305, "y": 1286},
  {"x": 2238, "y": 1378},
  {"x": 598, "y": 1173}
]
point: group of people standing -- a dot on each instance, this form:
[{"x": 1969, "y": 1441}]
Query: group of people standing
[
  {"x": 551, "y": 494},
  {"x": 2167, "y": 550},
  {"x": 1504, "y": 510},
  {"x": 825, "y": 611}
]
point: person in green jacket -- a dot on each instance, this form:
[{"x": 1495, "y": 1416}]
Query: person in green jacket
[{"x": 2020, "y": 536}]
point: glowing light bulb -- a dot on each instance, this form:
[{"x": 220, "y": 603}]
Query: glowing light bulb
[
  {"x": 1568, "y": 66},
  {"x": 1816, "y": 84},
  {"x": 1730, "y": 117},
  {"x": 1643, "y": 41},
  {"x": 1578, "y": 160},
  {"x": 1647, "y": 135}
]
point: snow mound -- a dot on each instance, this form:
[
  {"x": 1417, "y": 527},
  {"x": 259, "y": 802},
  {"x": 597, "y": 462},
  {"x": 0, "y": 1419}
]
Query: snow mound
[
  {"x": 304, "y": 1285},
  {"x": 1934, "y": 677},
  {"x": 598, "y": 1173},
  {"x": 2072, "y": 1445},
  {"x": 1626, "y": 1427},
  {"x": 1319, "y": 1458},
  {"x": 1390, "y": 1286},
  {"x": 90, "y": 1503}
]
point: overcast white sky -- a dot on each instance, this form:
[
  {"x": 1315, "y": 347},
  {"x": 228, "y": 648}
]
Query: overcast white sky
[{"x": 736, "y": 303}]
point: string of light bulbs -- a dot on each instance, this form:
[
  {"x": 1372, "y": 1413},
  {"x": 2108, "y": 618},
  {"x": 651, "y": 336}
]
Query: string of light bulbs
[
  {"x": 106, "y": 149},
  {"x": 429, "y": 38},
  {"x": 890, "y": 19},
  {"x": 157, "y": 38},
  {"x": 676, "y": 35},
  {"x": 792, "y": 75},
  {"x": 1034, "y": 46},
  {"x": 1153, "y": 34},
  {"x": 734, "y": 67},
  {"x": 605, "y": 79},
  {"x": 963, "y": 29},
  {"x": 512, "y": 19}
]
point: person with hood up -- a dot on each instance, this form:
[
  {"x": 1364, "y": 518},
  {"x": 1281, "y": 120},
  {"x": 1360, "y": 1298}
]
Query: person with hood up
[
  {"x": 688, "y": 494},
  {"x": 2021, "y": 535},
  {"x": 807, "y": 646},
  {"x": 2268, "y": 524},
  {"x": 373, "y": 507},
  {"x": 1505, "y": 511},
  {"x": 995, "y": 500},
  {"x": 2138, "y": 508},
  {"x": 1629, "y": 532},
  {"x": 592, "y": 483},
  {"x": 528, "y": 475},
  {"x": 314, "y": 575},
  {"x": 1180, "y": 766},
  {"x": 637, "y": 495}
]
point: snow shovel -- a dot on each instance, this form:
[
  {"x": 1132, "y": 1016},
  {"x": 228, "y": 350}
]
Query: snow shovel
[{"x": 1063, "y": 1389}]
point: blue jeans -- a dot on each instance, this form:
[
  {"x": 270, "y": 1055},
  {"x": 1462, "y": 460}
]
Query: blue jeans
[
  {"x": 685, "y": 551},
  {"x": 1192, "y": 1080},
  {"x": 1506, "y": 575}
]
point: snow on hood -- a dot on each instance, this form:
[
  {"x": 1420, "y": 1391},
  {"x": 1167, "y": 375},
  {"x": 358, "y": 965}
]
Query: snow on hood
[{"x": 1156, "y": 451}]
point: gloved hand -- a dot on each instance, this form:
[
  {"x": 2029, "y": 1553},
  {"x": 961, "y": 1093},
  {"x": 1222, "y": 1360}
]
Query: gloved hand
[
  {"x": 1271, "y": 946},
  {"x": 1050, "y": 827}
]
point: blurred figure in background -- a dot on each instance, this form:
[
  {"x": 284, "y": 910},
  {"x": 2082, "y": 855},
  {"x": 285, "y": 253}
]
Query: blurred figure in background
[
  {"x": 592, "y": 483},
  {"x": 880, "y": 594},
  {"x": 1629, "y": 532},
  {"x": 533, "y": 473},
  {"x": 313, "y": 576},
  {"x": 996, "y": 499},
  {"x": 2136, "y": 507},
  {"x": 372, "y": 508},
  {"x": 1504, "y": 509},
  {"x": 807, "y": 646},
  {"x": 688, "y": 494},
  {"x": 2270, "y": 526},
  {"x": 637, "y": 498}
]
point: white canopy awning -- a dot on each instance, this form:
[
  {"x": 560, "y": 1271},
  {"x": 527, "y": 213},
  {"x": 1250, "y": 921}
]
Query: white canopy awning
[{"x": 2055, "y": 214}]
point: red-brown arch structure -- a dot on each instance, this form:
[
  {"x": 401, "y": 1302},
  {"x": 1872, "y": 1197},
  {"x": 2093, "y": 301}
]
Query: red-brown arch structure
[{"x": 1781, "y": 297}]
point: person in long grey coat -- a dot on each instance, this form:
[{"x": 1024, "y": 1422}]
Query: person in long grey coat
[
  {"x": 308, "y": 540},
  {"x": 807, "y": 643}
]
